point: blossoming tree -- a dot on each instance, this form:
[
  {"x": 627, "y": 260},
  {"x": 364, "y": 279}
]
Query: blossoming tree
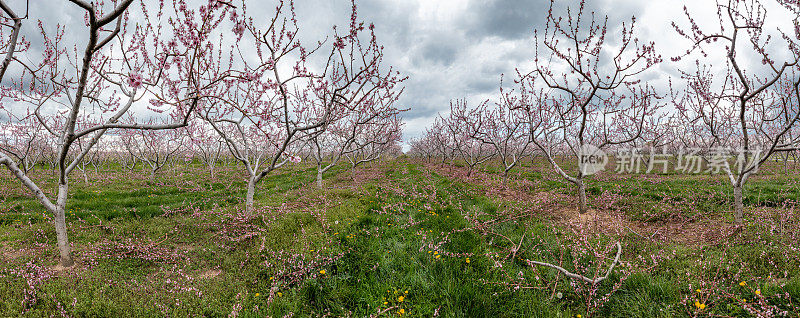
[
  {"x": 749, "y": 111},
  {"x": 377, "y": 139},
  {"x": 205, "y": 144},
  {"x": 466, "y": 128},
  {"x": 361, "y": 132},
  {"x": 153, "y": 147},
  {"x": 78, "y": 100},
  {"x": 276, "y": 98},
  {"x": 22, "y": 140},
  {"x": 584, "y": 91}
]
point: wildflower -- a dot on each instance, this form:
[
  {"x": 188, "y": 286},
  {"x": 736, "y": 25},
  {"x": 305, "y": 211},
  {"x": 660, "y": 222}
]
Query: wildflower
[
  {"x": 698, "y": 291},
  {"x": 697, "y": 303},
  {"x": 280, "y": 294},
  {"x": 322, "y": 272},
  {"x": 743, "y": 283},
  {"x": 758, "y": 292},
  {"x": 437, "y": 256},
  {"x": 401, "y": 298},
  {"x": 467, "y": 260},
  {"x": 578, "y": 315},
  {"x": 702, "y": 306},
  {"x": 257, "y": 294},
  {"x": 402, "y": 311}
]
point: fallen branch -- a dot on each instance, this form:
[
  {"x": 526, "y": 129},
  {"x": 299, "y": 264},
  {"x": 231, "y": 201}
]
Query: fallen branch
[
  {"x": 642, "y": 236},
  {"x": 581, "y": 277}
]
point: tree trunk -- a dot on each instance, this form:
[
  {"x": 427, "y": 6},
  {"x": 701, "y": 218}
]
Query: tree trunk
[
  {"x": 251, "y": 191},
  {"x": 319, "y": 176},
  {"x": 581, "y": 197},
  {"x": 739, "y": 205},
  {"x": 64, "y": 249}
]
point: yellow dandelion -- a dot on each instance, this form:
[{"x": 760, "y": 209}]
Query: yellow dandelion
[
  {"x": 467, "y": 260},
  {"x": 322, "y": 272},
  {"x": 401, "y": 298},
  {"x": 437, "y": 256},
  {"x": 758, "y": 292},
  {"x": 257, "y": 294},
  {"x": 743, "y": 283},
  {"x": 280, "y": 294},
  {"x": 702, "y": 306}
]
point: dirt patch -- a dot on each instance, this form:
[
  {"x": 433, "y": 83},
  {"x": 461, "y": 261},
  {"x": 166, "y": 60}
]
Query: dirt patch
[
  {"x": 693, "y": 232},
  {"x": 11, "y": 254},
  {"x": 592, "y": 217},
  {"x": 185, "y": 247},
  {"x": 210, "y": 273},
  {"x": 561, "y": 209},
  {"x": 59, "y": 268},
  {"x": 62, "y": 271}
]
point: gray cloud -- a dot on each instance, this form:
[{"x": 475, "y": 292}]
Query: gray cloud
[
  {"x": 509, "y": 19},
  {"x": 442, "y": 49}
]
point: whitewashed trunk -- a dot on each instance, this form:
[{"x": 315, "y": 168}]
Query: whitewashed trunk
[
  {"x": 59, "y": 220},
  {"x": 251, "y": 192},
  {"x": 738, "y": 204},
  {"x": 319, "y": 177}
]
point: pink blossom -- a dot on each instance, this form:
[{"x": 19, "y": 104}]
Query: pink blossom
[
  {"x": 134, "y": 80},
  {"x": 238, "y": 29}
]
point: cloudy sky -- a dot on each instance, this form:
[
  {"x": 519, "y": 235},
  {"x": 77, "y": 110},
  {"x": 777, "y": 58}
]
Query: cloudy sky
[{"x": 458, "y": 48}]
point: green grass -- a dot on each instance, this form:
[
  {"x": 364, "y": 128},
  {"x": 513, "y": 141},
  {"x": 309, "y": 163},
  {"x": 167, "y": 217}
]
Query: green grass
[{"x": 179, "y": 245}]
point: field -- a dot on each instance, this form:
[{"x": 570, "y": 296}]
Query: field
[{"x": 401, "y": 238}]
